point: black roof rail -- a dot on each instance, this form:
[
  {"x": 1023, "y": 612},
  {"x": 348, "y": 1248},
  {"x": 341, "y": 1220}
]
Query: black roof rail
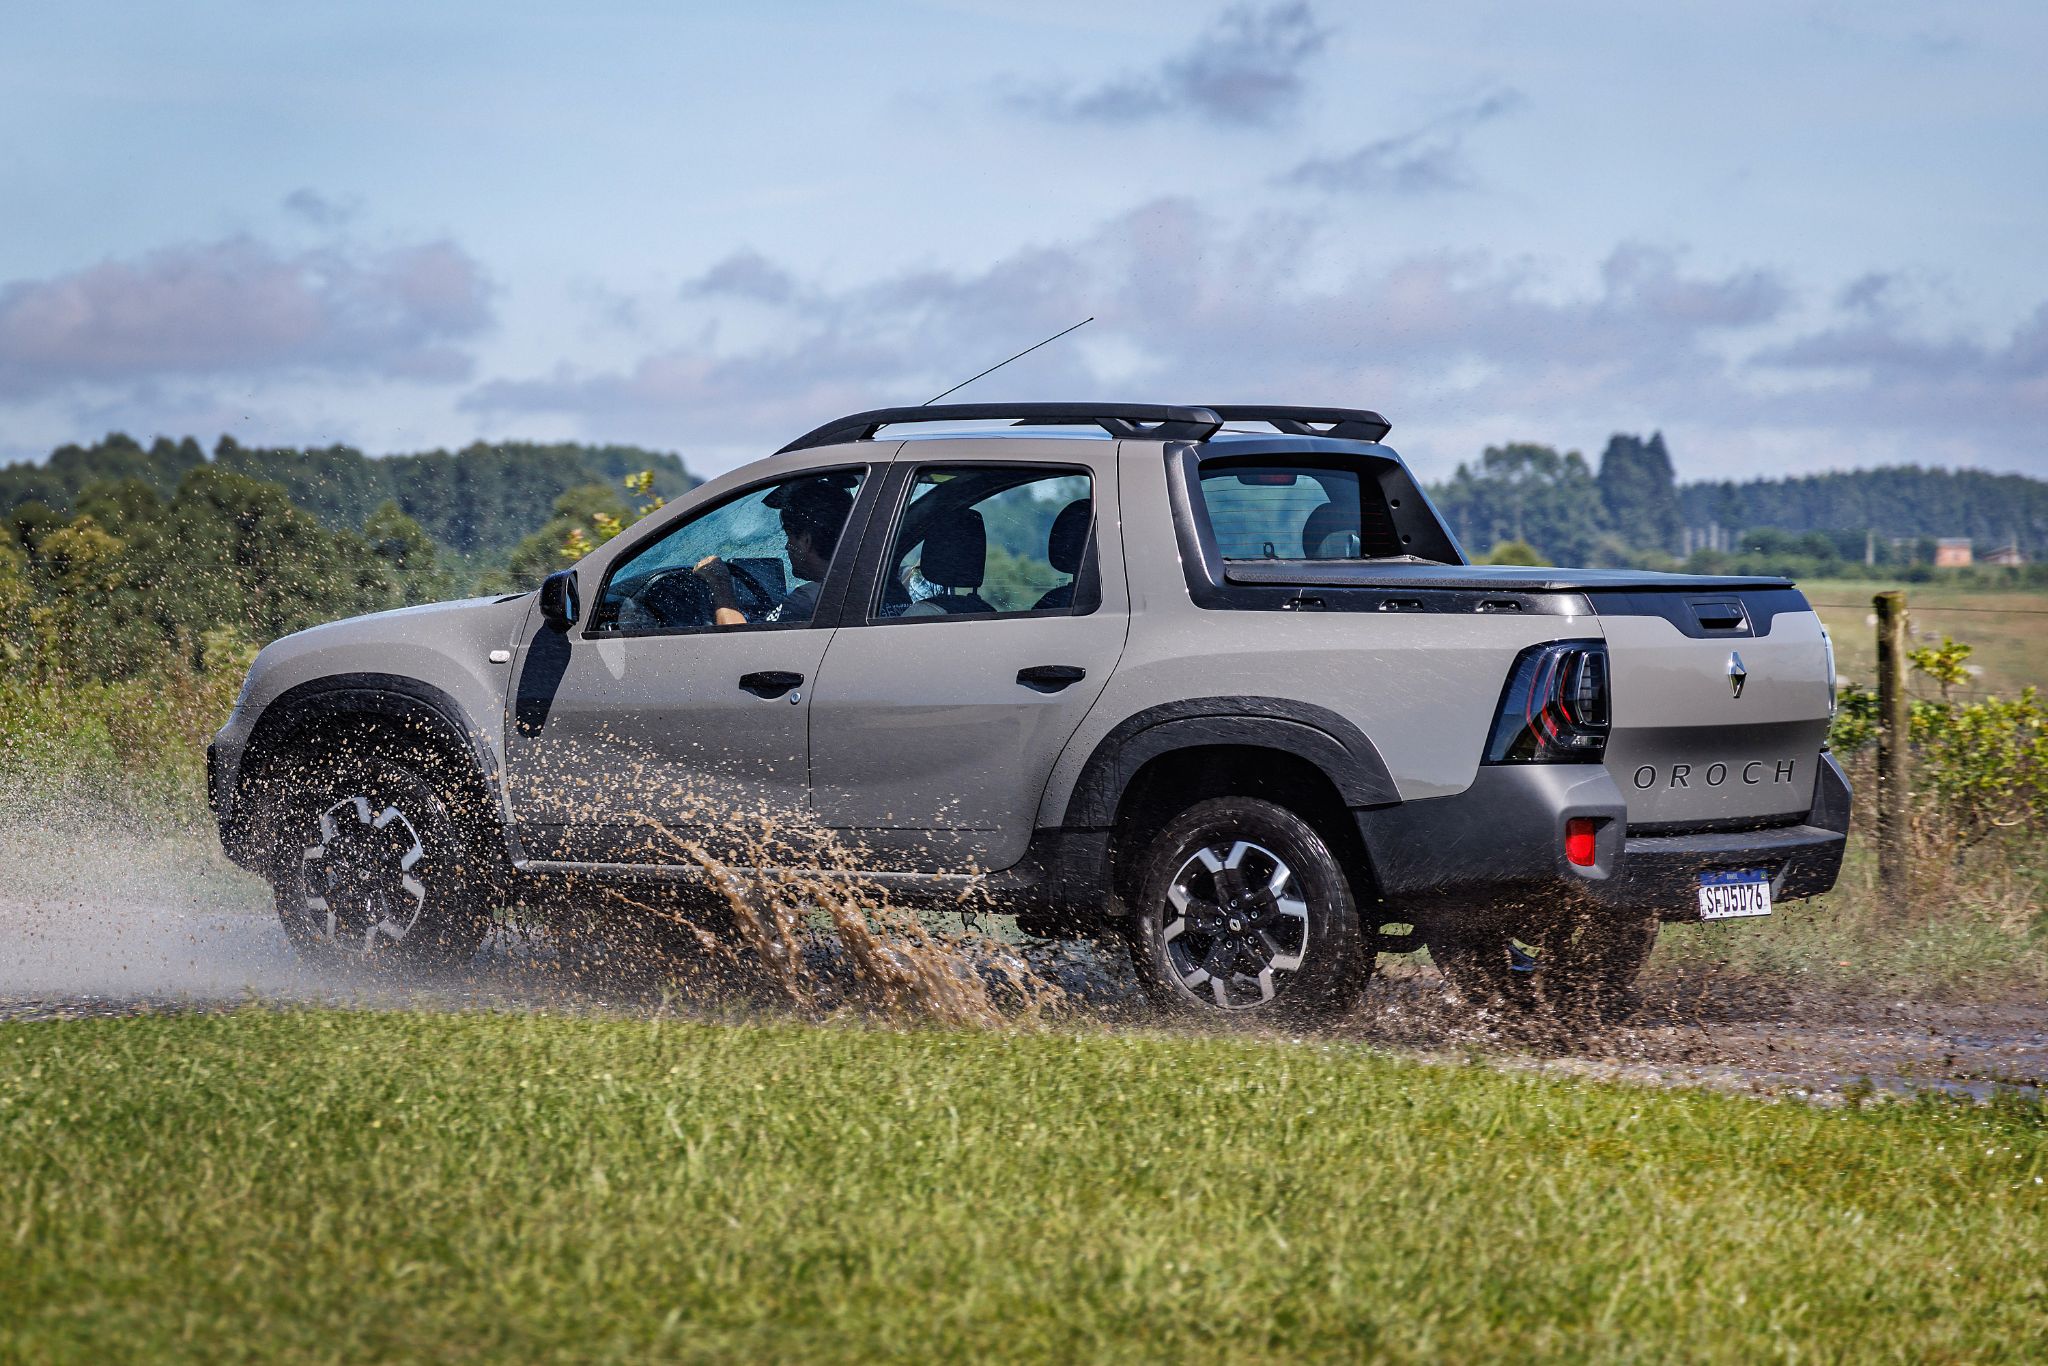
[
  {"x": 1129, "y": 421},
  {"x": 1141, "y": 421},
  {"x": 1344, "y": 424}
]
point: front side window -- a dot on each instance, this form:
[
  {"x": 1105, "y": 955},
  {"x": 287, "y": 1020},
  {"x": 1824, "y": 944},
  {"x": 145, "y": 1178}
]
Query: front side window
[
  {"x": 990, "y": 540},
  {"x": 756, "y": 560},
  {"x": 1289, "y": 511}
]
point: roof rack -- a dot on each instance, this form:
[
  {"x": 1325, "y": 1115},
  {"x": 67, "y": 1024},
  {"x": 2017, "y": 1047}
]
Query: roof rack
[
  {"x": 1127, "y": 421},
  {"x": 1343, "y": 424}
]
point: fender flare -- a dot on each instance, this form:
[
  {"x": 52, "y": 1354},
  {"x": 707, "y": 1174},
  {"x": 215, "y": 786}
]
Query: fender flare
[
  {"x": 386, "y": 697},
  {"x": 1340, "y": 750}
]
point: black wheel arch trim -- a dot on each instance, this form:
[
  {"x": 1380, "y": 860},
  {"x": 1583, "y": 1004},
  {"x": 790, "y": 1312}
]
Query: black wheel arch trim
[
  {"x": 1337, "y": 748},
  {"x": 390, "y": 697}
]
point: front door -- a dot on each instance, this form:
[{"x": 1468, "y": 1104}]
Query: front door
[
  {"x": 678, "y": 713},
  {"x": 970, "y": 655}
]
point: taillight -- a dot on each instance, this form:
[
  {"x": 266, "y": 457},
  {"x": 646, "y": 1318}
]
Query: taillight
[{"x": 1555, "y": 709}]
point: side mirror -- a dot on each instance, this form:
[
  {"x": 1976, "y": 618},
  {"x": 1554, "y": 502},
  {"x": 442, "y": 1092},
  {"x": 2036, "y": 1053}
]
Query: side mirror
[{"x": 560, "y": 602}]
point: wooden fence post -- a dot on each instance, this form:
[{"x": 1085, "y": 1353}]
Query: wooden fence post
[{"x": 1894, "y": 744}]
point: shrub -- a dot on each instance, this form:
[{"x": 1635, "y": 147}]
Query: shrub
[
  {"x": 1516, "y": 553},
  {"x": 1979, "y": 767},
  {"x": 1984, "y": 764}
]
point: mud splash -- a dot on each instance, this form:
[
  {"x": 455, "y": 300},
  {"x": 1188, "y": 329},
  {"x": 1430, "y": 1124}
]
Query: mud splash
[
  {"x": 100, "y": 912},
  {"x": 99, "y": 916},
  {"x": 802, "y": 915}
]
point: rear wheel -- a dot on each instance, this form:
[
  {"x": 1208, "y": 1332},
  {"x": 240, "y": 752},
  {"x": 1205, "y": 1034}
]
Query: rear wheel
[
  {"x": 1577, "y": 966},
  {"x": 369, "y": 865},
  {"x": 1243, "y": 910}
]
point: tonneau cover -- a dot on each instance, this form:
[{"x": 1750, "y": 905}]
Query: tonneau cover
[{"x": 1507, "y": 579}]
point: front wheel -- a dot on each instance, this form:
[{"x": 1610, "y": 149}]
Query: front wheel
[
  {"x": 1573, "y": 966},
  {"x": 1243, "y": 910},
  {"x": 368, "y": 865}
]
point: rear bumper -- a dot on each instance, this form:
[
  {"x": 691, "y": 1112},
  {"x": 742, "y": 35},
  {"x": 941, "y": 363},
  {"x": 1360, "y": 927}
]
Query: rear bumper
[{"x": 1502, "y": 839}]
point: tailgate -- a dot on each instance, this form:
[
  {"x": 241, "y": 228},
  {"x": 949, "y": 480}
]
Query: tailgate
[{"x": 1720, "y": 704}]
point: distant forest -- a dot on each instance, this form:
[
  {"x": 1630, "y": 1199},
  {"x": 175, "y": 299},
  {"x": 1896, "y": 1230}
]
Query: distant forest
[
  {"x": 497, "y": 513},
  {"x": 1630, "y": 510},
  {"x": 477, "y": 503}
]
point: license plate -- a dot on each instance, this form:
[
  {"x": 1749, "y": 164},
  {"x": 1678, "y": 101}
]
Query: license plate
[{"x": 1731, "y": 893}]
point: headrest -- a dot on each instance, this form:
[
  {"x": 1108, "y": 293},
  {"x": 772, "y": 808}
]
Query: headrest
[
  {"x": 956, "y": 550},
  {"x": 1325, "y": 523},
  {"x": 1068, "y": 539}
]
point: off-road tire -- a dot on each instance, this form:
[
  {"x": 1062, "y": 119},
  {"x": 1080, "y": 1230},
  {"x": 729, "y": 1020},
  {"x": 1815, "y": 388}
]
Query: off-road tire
[
  {"x": 1575, "y": 967},
  {"x": 369, "y": 864},
  {"x": 1271, "y": 932}
]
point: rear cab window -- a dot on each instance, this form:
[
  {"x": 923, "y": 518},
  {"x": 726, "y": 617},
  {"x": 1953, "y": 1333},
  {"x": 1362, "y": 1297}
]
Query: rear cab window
[{"x": 1286, "y": 508}]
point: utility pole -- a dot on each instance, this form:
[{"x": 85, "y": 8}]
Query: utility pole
[{"x": 1894, "y": 745}]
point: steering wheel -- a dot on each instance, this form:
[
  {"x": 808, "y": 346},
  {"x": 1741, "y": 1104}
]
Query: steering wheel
[
  {"x": 751, "y": 595},
  {"x": 678, "y": 598}
]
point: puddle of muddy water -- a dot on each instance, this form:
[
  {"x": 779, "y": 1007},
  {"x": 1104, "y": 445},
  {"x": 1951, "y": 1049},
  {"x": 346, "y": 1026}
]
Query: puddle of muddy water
[
  {"x": 100, "y": 915},
  {"x": 96, "y": 917}
]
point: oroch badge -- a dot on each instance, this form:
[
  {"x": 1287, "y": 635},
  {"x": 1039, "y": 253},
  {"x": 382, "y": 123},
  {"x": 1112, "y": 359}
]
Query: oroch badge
[{"x": 1737, "y": 675}]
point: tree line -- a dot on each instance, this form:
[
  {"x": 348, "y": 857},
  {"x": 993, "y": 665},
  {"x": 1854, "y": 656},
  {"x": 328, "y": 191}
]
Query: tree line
[
  {"x": 119, "y": 560},
  {"x": 1534, "y": 503},
  {"x": 477, "y": 503},
  {"x": 118, "y": 557}
]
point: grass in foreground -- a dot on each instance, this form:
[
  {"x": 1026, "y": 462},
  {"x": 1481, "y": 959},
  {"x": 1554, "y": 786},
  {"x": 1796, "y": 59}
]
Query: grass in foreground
[{"x": 351, "y": 1186}]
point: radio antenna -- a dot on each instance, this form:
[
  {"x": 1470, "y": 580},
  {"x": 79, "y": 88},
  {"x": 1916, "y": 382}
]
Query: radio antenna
[{"x": 1001, "y": 363}]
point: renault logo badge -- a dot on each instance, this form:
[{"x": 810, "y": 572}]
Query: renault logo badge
[{"x": 1737, "y": 675}]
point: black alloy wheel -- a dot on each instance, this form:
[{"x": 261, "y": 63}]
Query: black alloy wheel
[
  {"x": 1243, "y": 911},
  {"x": 369, "y": 866}
]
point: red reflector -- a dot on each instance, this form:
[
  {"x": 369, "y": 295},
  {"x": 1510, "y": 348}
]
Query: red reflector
[{"x": 1578, "y": 840}]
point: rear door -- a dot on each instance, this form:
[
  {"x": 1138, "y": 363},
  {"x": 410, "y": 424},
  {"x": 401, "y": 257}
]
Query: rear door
[
  {"x": 994, "y": 609},
  {"x": 1720, "y": 704}
]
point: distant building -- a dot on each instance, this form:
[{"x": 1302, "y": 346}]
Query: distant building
[
  {"x": 2009, "y": 555},
  {"x": 1952, "y": 552},
  {"x": 1712, "y": 536}
]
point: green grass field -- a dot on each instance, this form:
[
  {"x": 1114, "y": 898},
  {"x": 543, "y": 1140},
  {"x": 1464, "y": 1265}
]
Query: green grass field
[
  {"x": 2008, "y": 630},
  {"x": 349, "y": 1186}
]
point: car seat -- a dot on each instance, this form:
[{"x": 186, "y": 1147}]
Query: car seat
[
  {"x": 954, "y": 559},
  {"x": 1329, "y": 534},
  {"x": 1065, "y": 544}
]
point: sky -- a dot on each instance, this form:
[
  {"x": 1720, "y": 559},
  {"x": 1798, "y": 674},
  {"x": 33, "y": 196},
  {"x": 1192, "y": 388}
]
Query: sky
[{"x": 1793, "y": 236}]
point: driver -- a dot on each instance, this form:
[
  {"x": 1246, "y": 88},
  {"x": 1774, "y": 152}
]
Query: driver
[{"x": 814, "y": 512}]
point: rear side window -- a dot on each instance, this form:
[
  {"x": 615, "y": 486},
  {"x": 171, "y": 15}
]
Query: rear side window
[
  {"x": 991, "y": 540},
  {"x": 1287, "y": 511}
]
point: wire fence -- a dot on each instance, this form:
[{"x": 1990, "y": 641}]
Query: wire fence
[
  {"x": 1914, "y": 608},
  {"x": 1927, "y": 689}
]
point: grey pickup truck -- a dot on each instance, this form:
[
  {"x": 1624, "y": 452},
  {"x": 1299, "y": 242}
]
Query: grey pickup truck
[{"x": 1218, "y": 680}]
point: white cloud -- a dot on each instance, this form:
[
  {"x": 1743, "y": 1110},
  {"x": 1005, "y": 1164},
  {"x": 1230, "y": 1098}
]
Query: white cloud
[
  {"x": 239, "y": 307},
  {"x": 1425, "y": 159},
  {"x": 320, "y": 210},
  {"x": 1245, "y": 70},
  {"x": 1191, "y": 308}
]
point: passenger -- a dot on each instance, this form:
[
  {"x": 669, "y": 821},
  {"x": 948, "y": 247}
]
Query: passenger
[{"x": 814, "y": 512}]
